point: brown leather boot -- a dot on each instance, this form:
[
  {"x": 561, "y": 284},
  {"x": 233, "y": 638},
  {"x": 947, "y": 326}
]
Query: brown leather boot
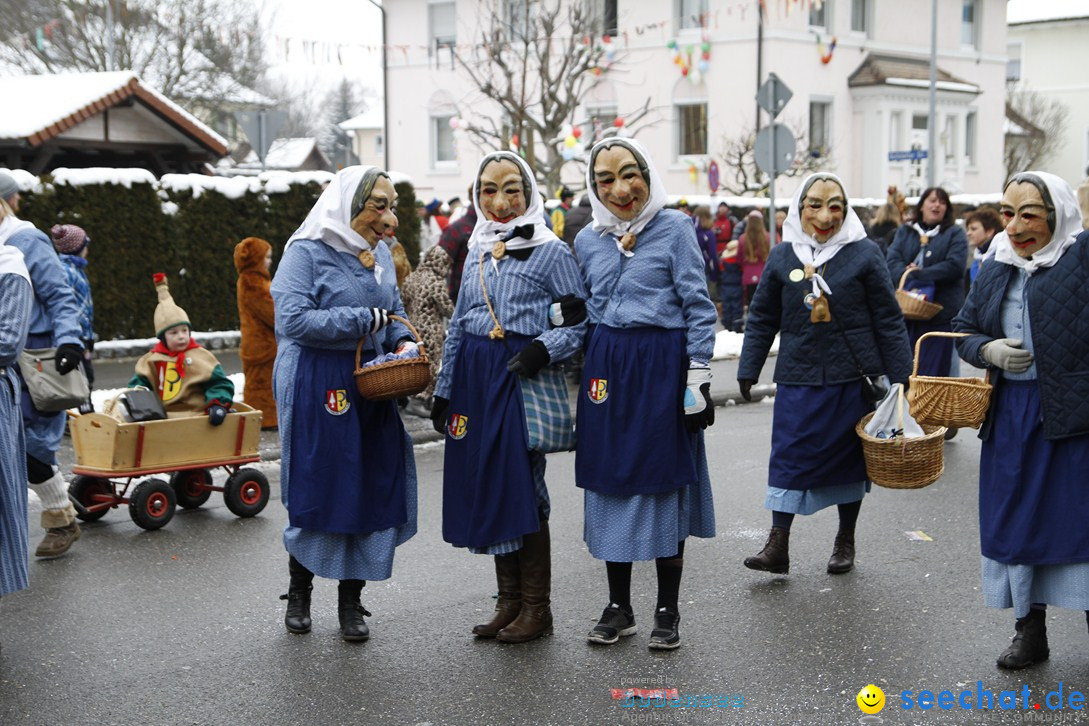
[
  {"x": 843, "y": 553},
  {"x": 535, "y": 563},
  {"x": 57, "y": 540},
  {"x": 775, "y": 557},
  {"x": 508, "y": 577}
]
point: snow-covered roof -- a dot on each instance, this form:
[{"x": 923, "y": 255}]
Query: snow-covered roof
[
  {"x": 290, "y": 153},
  {"x": 39, "y": 107},
  {"x": 372, "y": 118},
  {"x": 1035, "y": 11}
]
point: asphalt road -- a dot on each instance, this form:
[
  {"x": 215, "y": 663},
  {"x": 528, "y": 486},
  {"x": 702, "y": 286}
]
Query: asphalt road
[{"x": 183, "y": 625}]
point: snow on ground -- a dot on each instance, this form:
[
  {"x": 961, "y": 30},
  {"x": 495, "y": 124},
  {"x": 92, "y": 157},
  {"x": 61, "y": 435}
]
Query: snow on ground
[{"x": 728, "y": 345}]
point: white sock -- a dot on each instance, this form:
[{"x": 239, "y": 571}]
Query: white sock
[{"x": 53, "y": 492}]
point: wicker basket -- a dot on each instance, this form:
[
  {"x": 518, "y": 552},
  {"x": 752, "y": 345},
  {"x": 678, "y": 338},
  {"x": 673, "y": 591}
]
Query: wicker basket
[
  {"x": 914, "y": 308},
  {"x": 940, "y": 401},
  {"x": 903, "y": 463},
  {"x": 396, "y": 378}
]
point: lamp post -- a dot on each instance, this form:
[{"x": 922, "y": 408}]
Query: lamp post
[
  {"x": 385, "y": 88},
  {"x": 931, "y": 125}
]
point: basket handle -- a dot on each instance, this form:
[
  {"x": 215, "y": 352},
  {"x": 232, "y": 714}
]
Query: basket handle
[
  {"x": 904, "y": 277},
  {"x": 398, "y": 318},
  {"x": 939, "y": 334}
]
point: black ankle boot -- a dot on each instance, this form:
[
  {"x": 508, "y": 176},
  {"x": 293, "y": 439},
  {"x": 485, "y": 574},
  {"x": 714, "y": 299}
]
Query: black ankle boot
[
  {"x": 297, "y": 618},
  {"x": 843, "y": 553},
  {"x": 353, "y": 628},
  {"x": 1029, "y": 645},
  {"x": 775, "y": 557}
]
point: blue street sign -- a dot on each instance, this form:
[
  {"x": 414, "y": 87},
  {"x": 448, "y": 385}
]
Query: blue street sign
[{"x": 909, "y": 155}]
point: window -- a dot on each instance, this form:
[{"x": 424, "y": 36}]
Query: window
[
  {"x": 860, "y": 16},
  {"x": 918, "y": 122},
  {"x": 378, "y": 144},
  {"x": 442, "y": 140},
  {"x": 970, "y": 137},
  {"x": 691, "y": 129},
  {"x": 1013, "y": 62},
  {"x": 442, "y": 20},
  {"x": 820, "y": 14},
  {"x": 602, "y": 16},
  {"x": 820, "y": 127},
  {"x": 969, "y": 23},
  {"x": 691, "y": 13},
  {"x": 949, "y": 139},
  {"x": 519, "y": 17},
  {"x": 896, "y": 130},
  {"x": 601, "y": 119}
]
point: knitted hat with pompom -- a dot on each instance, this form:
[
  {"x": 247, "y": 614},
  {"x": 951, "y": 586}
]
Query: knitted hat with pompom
[
  {"x": 167, "y": 313},
  {"x": 68, "y": 238}
]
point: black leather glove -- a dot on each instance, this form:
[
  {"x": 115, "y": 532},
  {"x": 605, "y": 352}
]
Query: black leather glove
[
  {"x": 438, "y": 413},
  {"x": 567, "y": 311},
  {"x": 67, "y": 357},
  {"x": 530, "y": 361},
  {"x": 216, "y": 414},
  {"x": 379, "y": 319},
  {"x": 746, "y": 388}
]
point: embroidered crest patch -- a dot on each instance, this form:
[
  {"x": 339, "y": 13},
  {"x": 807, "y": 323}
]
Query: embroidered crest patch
[
  {"x": 336, "y": 401},
  {"x": 458, "y": 426},
  {"x": 599, "y": 390}
]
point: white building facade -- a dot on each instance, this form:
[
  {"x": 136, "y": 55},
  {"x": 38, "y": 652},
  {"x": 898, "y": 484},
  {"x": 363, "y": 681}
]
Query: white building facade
[
  {"x": 1043, "y": 57},
  {"x": 857, "y": 101}
]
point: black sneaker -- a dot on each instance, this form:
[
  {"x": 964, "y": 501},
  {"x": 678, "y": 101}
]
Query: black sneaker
[
  {"x": 665, "y": 635},
  {"x": 615, "y": 622}
]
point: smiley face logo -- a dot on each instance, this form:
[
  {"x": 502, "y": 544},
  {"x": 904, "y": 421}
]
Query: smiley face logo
[{"x": 871, "y": 699}]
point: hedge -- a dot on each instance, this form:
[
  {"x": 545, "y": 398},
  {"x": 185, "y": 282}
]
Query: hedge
[{"x": 185, "y": 229}]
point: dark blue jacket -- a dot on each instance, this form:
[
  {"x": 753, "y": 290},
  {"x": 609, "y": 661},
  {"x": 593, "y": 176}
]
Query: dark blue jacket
[
  {"x": 1058, "y": 302},
  {"x": 863, "y": 307},
  {"x": 944, "y": 265}
]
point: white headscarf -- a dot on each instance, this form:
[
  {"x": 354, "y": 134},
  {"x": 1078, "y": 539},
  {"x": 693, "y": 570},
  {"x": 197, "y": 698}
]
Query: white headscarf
[
  {"x": 11, "y": 258},
  {"x": 1067, "y": 227},
  {"x": 607, "y": 222},
  {"x": 808, "y": 250},
  {"x": 487, "y": 232}
]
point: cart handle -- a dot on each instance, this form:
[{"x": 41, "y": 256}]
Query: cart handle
[{"x": 940, "y": 334}]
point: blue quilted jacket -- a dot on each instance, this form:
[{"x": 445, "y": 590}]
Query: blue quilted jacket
[
  {"x": 1058, "y": 304},
  {"x": 944, "y": 264},
  {"x": 864, "y": 312}
]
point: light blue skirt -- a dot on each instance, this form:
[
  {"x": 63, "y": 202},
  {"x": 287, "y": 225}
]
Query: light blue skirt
[
  {"x": 809, "y": 501},
  {"x": 1018, "y": 586},
  {"x": 619, "y": 528}
]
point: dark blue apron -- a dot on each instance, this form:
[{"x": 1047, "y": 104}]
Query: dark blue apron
[
  {"x": 630, "y": 423},
  {"x": 813, "y": 439},
  {"x": 487, "y": 484},
  {"x": 347, "y": 454},
  {"x": 936, "y": 355},
  {"x": 1033, "y": 493}
]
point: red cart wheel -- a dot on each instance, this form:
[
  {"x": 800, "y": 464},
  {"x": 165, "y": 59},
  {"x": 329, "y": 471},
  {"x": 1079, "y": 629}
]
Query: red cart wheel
[
  {"x": 152, "y": 504},
  {"x": 191, "y": 487},
  {"x": 246, "y": 493},
  {"x": 84, "y": 489}
]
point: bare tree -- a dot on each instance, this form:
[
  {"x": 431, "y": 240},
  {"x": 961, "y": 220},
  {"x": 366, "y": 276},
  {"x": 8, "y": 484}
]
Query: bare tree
[
  {"x": 191, "y": 50},
  {"x": 740, "y": 175},
  {"x": 536, "y": 60},
  {"x": 1037, "y": 129}
]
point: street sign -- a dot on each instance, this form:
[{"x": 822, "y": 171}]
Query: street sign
[
  {"x": 773, "y": 94},
  {"x": 774, "y": 149},
  {"x": 909, "y": 155},
  {"x": 712, "y": 176},
  {"x": 261, "y": 128}
]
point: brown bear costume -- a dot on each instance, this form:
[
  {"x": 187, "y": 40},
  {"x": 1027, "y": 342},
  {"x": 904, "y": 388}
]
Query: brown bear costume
[{"x": 258, "y": 348}]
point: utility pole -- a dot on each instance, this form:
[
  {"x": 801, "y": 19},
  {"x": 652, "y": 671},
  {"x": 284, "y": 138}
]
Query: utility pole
[
  {"x": 385, "y": 87},
  {"x": 932, "y": 121},
  {"x": 111, "y": 62}
]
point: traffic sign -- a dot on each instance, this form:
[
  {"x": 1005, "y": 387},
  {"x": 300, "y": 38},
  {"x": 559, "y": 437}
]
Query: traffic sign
[
  {"x": 261, "y": 127},
  {"x": 773, "y": 94},
  {"x": 712, "y": 176},
  {"x": 909, "y": 155},
  {"x": 774, "y": 149}
]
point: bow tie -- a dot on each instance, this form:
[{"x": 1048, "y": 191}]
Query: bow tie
[{"x": 525, "y": 232}]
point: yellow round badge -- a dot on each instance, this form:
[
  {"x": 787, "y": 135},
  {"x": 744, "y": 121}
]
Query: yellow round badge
[
  {"x": 870, "y": 699},
  {"x": 796, "y": 275}
]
